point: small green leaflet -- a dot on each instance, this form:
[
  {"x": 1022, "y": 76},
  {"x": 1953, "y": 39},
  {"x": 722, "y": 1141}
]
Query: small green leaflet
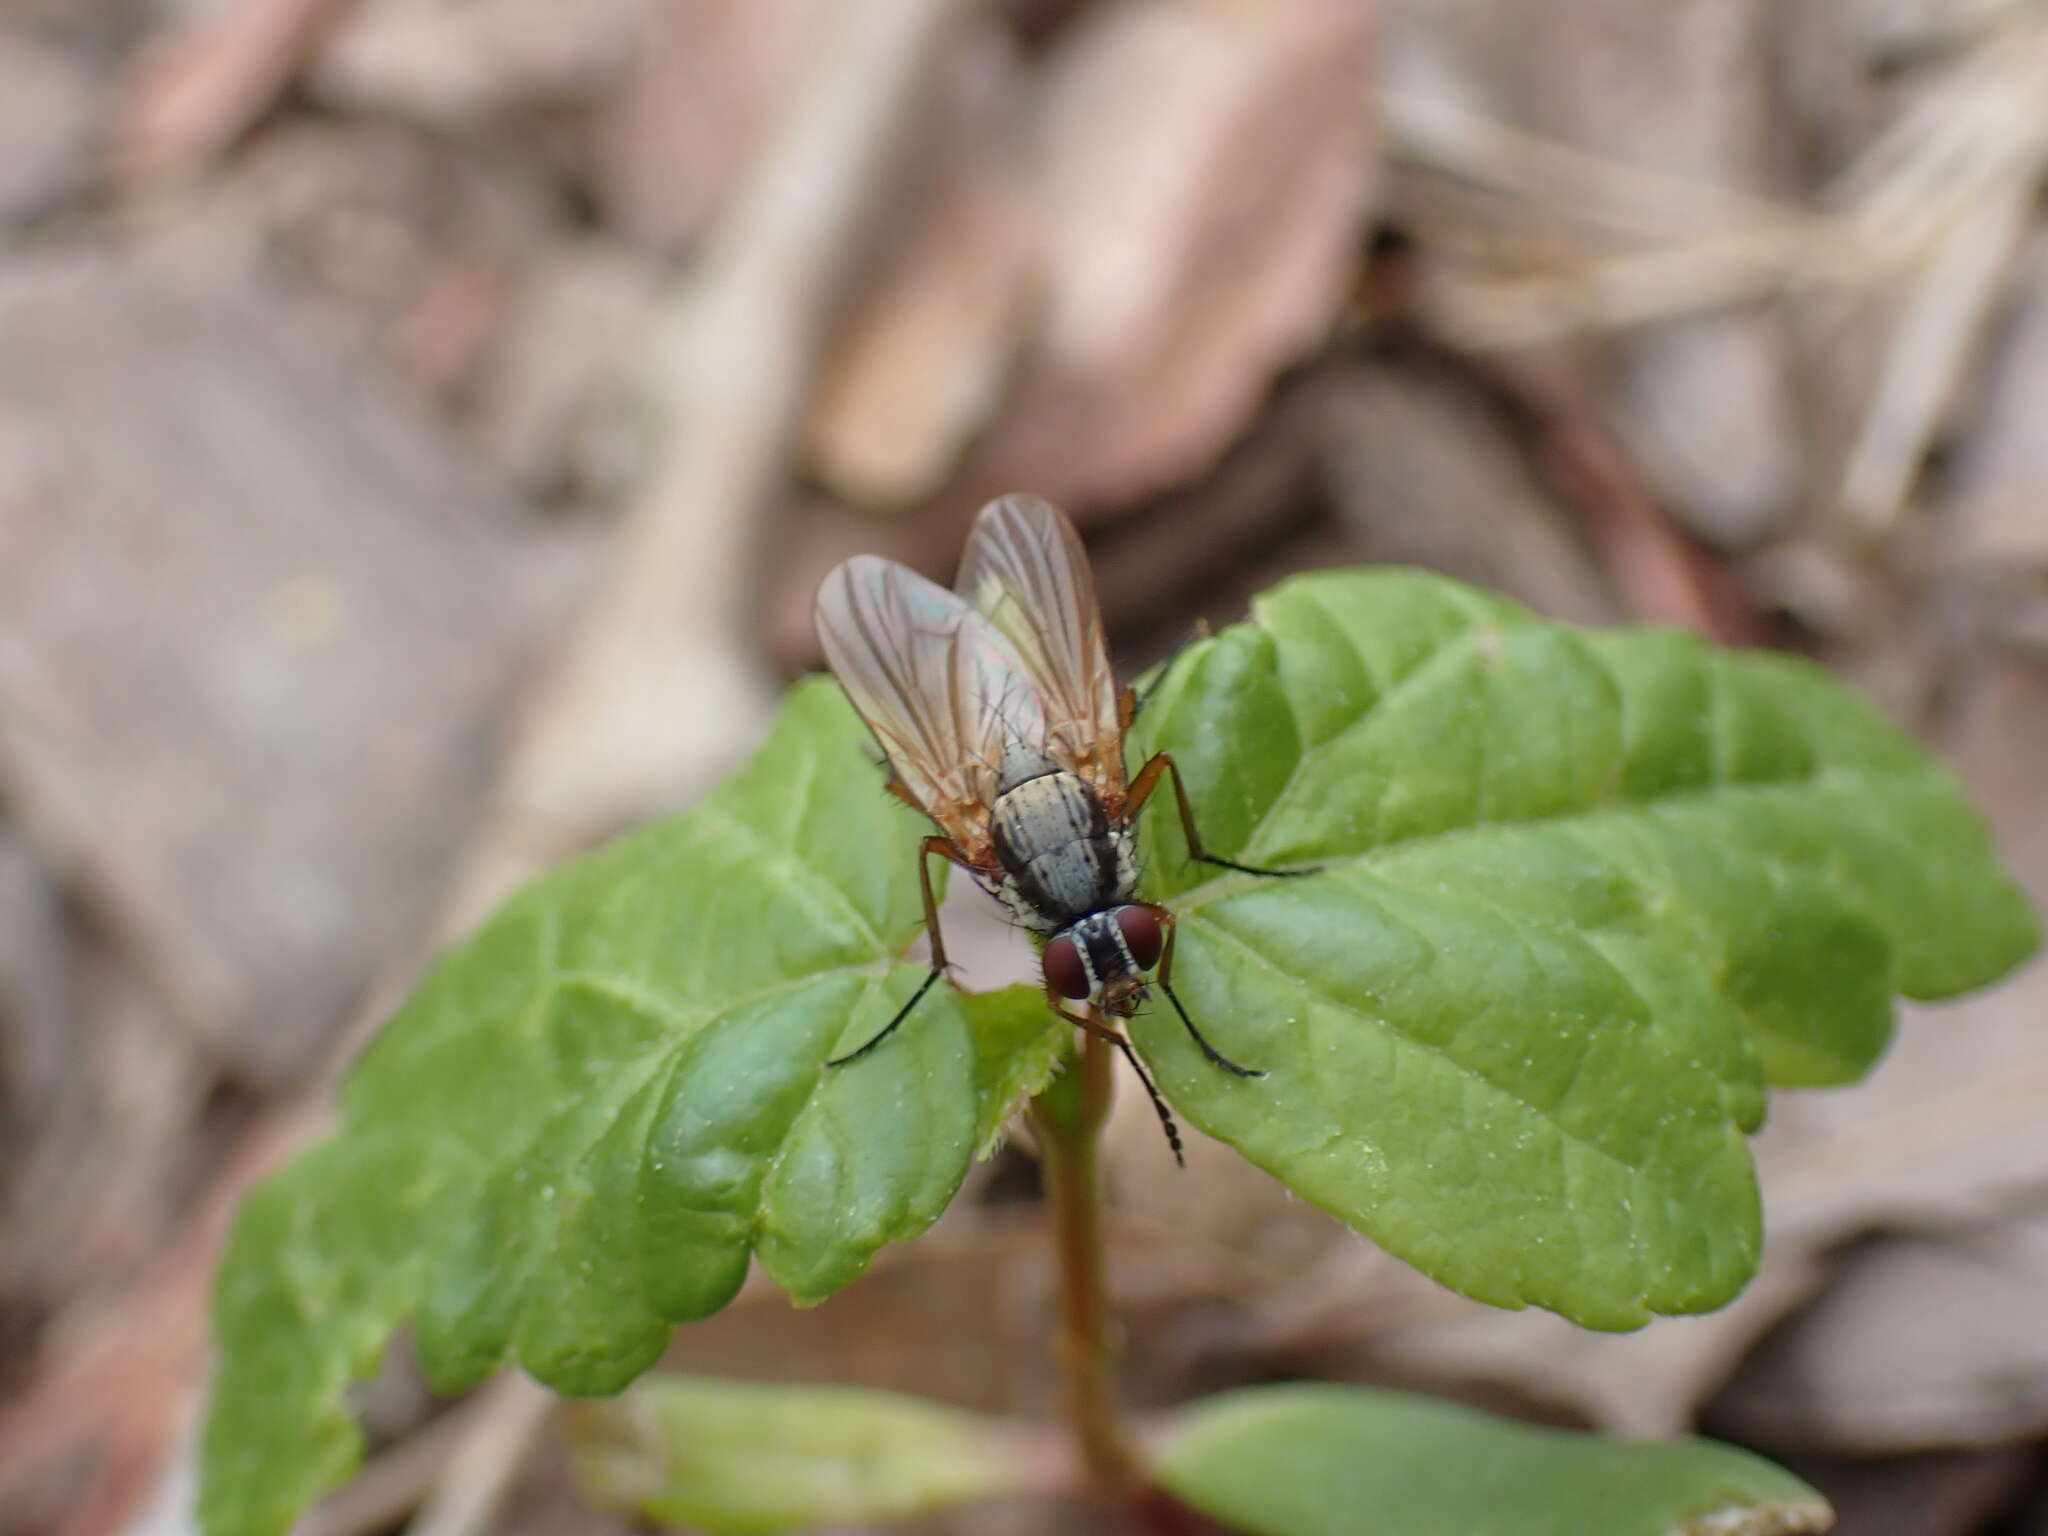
[
  {"x": 590, "y": 1115},
  {"x": 751, "y": 1458},
  {"x": 1312, "y": 1460},
  {"x": 1580, "y": 898},
  {"x": 744, "y": 1458}
]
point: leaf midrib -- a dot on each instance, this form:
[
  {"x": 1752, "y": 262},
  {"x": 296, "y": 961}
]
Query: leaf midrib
[{"x": 794, "y": 872}]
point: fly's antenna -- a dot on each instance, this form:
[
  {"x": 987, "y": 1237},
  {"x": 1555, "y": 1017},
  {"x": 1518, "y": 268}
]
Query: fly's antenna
[{"x": 1158, "y": 1104}]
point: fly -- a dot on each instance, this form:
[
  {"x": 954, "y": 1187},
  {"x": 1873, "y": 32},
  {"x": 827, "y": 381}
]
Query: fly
[{"x": 1001, "y": 722}]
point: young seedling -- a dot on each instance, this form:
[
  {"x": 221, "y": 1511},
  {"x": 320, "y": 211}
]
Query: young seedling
[{"x": 1577, "y": 901}]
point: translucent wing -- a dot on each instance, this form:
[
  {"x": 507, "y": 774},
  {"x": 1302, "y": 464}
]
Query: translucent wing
[
  {"x": 942, "y": 691},
  {"x": 1025, "y": 570}
]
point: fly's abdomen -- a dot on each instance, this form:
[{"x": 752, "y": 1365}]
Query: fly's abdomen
[{"x": 1056, "y": 844}]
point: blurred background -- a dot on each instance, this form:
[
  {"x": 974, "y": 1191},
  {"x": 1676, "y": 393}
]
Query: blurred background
[{"x": 423, "y": 424}]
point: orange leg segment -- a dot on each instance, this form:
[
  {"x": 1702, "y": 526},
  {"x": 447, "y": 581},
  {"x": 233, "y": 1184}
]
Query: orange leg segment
[{"x": 1141, "y": 790}]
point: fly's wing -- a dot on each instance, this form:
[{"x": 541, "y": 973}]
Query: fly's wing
[
  {"x": 939, "y": 687},
  {"x": 1025, "y": 570}
]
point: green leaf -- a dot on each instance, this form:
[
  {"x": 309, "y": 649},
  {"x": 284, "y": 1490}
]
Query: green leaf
[
  {"x": 737, "y": 1458},
  {"x": 1320, "y": 1461},
  {"x": 1579, "y": 899},
  {"x": 592, "y": 1113},
  {"x": 1018, "y": 1048}
]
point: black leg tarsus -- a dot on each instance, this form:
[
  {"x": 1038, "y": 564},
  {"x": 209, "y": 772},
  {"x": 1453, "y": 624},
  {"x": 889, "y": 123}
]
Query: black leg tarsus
[
  {"x": 1253, "y": 869},
  {"x": 940, "y": 965},
  {"x": 889, "y": 1028},
  {"x": 1158, "y": 1104},
  {"x": 1216, "y": 1057},
  {"x": 1102, "y": 1031},
  {"x": 1208, "y": 1050}
]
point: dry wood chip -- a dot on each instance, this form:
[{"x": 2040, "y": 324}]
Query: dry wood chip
[
  {"x": 1942, "y": 1493},
  {"x": 1204, "y": 177},
  {"x": 1705, "y": 404},
  {"x": 1996, "y": 512},
  {"x": 922, "y": 361},
  {"x": 1669, "y": 97},
  {"x": 1896, "y": 31},
  {"x": 48, "y": 101},
  {"x": 706, "y": 85},
  {"x": 549, "y": 408},
  {"x": 1821, "y": 92},
  {"x": 462, "y": 65},
  {"x": 1921, "y": 1341},
  {"x": 256, "y": 629},
  {"x": 1707, "y": 408},
  {"x": 1425, "y": 473},
  {"x": 35, "y": 987},
  {"x": 209, "y": 76},
  {"x": 114, "y": 1150},
  {"x": 413, "y": 243}
]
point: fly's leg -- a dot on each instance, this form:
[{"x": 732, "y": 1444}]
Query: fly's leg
[
  {"x": 1166, "y": 985},
  {"x": 945, "y": 849},
  {"x": 1141, "y": 790},
  {"x": 1104, "y": 1032}
]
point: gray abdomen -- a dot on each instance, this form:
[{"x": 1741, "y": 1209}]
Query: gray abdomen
[{"x": 1063, "y": 859}]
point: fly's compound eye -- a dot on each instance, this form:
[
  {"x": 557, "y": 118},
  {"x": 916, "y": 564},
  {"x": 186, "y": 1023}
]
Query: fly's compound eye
[
  {"x": 1064, "y": 972},
  {"x": 1140, "y": 928}
]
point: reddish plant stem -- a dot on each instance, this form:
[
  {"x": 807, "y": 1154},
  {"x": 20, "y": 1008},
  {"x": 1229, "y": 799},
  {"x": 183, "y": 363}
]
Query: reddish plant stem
[{"x": 1069, "y": 1125}]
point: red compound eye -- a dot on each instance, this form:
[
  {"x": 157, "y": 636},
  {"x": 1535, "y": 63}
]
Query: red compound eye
[
  {"x": 1140, "y": 928},
  {"x": 1064, "y": 972}
]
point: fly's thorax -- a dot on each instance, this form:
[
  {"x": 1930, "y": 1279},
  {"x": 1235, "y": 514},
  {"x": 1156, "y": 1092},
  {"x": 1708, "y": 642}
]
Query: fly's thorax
[
  {"x": 1059, "y": 853},
  {"x": 1021, "y": 763}
]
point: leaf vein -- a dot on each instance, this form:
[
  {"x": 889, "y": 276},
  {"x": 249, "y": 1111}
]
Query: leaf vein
[
  {"x": 1305, "y": 986},
  {"x": 797, "y": 875}
]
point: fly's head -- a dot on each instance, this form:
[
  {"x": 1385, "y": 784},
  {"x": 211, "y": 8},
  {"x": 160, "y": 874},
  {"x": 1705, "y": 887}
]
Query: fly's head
[
  {"x": 1121, "y": 996},
  {"x": 1102, "y": 958}
]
